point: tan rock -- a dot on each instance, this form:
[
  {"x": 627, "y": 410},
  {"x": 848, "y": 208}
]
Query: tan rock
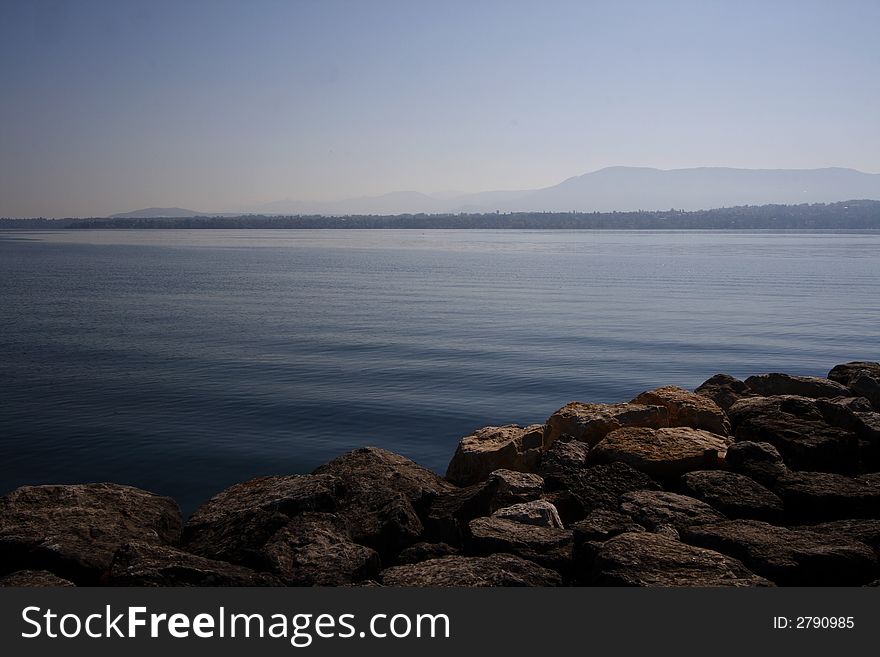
[
  {"x": 590, "y": 423},
  {"x": 510, "y": 447},
  {"x": 687, "y": 409},
  {"x": 663, "y": 453}
]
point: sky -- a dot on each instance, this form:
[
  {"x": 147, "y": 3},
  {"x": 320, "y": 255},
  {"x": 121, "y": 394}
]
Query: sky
[{"x": 224, "y": 105}]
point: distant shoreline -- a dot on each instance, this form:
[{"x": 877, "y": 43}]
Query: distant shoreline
[{"x": 844, "y": 215}]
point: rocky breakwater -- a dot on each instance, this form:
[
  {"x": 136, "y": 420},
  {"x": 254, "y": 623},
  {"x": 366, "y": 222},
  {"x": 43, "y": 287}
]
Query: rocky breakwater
[{"x": 774, "y": 480}]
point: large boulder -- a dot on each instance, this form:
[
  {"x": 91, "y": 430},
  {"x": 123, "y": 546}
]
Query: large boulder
[
  {"x": 598, "y": 487},
  {"x": 603, "y": 524},
  {"x": 383, "y": 498},
  {"x": 865, "y": 530},
  {"x": 562, "y": 461},
  {"x": 643, "y": 559},
  {"x": 724, "y": 390},
  {"x": 792, "y": 557},
  {"x": 144, "y": 564},
  {"x": 539, "y": 512},
  {"x": 450, "y": 512},
  {"x": 74, "y": 530},
  {"x": 510, "y": 447},
  {"x": 33, "y": 579},
  {"x": 548, "y": 546},
  {"x": 863, "y": 378},
  {"x": 315, "y": 549},
  {"x": 777, "y": 383},
  {"x": 457, "y": 571},
  {"x": 759, "y": 461},
  {"x": 425, "y": 551},
  {"x": 797, "y": 427},
  {"x": 811, "y": 497},
  {"x": 590, "y": 423},
  {"x": 662, "y": 511},
  {"x": 734, "y": 495},
  {"x": 687, "y": 409},
  {"x": 662, "y": 453},
  {"x": 237, "y": 522}
]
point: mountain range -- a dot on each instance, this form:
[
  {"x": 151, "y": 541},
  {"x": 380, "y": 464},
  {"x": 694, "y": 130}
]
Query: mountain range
[{"x": 622, "y": 189}]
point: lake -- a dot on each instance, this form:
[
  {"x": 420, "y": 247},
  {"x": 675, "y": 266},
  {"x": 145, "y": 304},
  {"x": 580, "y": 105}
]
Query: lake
[{"x": 184, "y": 361}]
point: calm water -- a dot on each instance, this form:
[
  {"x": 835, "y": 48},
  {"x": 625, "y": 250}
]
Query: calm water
[{"x": 184, "y": 361}]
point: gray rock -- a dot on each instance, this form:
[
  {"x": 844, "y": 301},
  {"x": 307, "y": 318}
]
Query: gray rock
[
  {"x": 791, "y": 557},
  {"x": 598, "y": 487},
  {"x": 799, "y": 430},
  {"x": 424, "y": 552},
  {"x": 549, "y": 547},
  {"x": 866, "y": 530},
  {"x": 776, "y": 383},
  {"x": 863, "y": 378},
  {"x": 812, "y": 497},
  {"x": 724, "y": 390},
  {"x": 494, "y": 570},
  {"x": 734, "y": 495},
  {"x": 33, "y": 579},
  {"x": 658, "y": 510},
  {"x": 74, "y": 530},
  {"x": 539, "y": 512},
  {"x": 144, "y": 564},
  {"x": 236, "y": 524},
  {"x": 562, "y": 461},
  {"x": 644, "y": 559},
  {"x": 384, "y": 497},
  {"x": 758, "y": 461}
]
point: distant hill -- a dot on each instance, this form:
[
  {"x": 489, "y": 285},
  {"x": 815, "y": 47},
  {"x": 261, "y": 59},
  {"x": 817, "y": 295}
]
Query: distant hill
[
  {"x": 853, "y": 215},
  {"x": 614, "y": 189},
  {"x": 619, "y": 189},
  {"x": 148, "y": 213}
]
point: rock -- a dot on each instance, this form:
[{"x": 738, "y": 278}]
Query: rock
[
  {"x": 863, "y": 378},
  {"x": 724, "y": 390},
  {"x": 384, "y": 495},
  {"x": 590, "y": 423},
  {"x": 603, "y": 524},
  {"x": 494, "y": 570},
  {"x": 33, "y": 579},
  {"x": 511, "y": 487},
  {"x": 236, "y": 524},
  {"x": 143, "y": 564},
  {"x": 658, "y": 510},
  {"x": 450, "y": 512},
  {"x": 865, "y": 530},
  {"x": 562, "y": 460},
  {"x": 643, "y": 559},
  {"x": 540, "y": 512},
  {"x": 798, "y": 429},
  {"x": 510, "y": 447},
  {"x": 598, "y": 487},
  {"x": 791, "y": 557},
  {"x": 73, "y": 530},
  {"x": 547, "y": 546},
  {"x": 759, "y": 461},
  {"x": 776, "y": 383},
  {"x": 734, "y": 495},
  {"x": 687, "y": 409},
  {"x": 424, "y": 552},
  {"x": 812, "y": 497},
  {"x": 662, "y": 453},
  {"x": 314, "y": 549}
]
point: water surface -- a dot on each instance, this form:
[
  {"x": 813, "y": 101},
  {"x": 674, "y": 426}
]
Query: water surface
[{"x": 183, "y": 361}]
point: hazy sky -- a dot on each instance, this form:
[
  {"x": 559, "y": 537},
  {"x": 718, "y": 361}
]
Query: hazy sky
[{"x": 112, "y": 106}]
